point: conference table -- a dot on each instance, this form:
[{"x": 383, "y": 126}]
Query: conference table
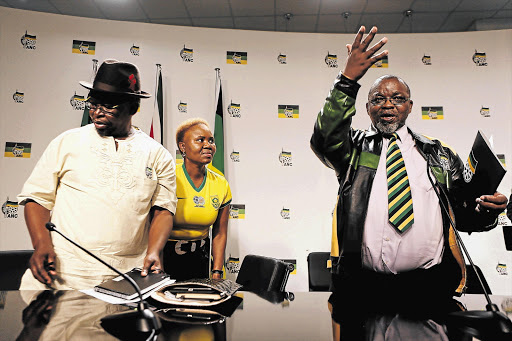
[{"x": 72, "y": 315}]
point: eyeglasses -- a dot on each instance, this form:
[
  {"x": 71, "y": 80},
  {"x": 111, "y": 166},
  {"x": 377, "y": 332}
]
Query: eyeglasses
[
  {"x": 395, "y": 100},
  {"x": 108, "y": 109}
]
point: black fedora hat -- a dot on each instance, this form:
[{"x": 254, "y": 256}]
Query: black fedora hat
[{"x": 117, "y": 78}]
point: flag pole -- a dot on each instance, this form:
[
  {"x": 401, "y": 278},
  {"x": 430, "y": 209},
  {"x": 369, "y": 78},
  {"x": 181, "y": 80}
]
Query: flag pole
[
  {"x": 86, "y": 119},
  {"x": 158, "y": 109}
]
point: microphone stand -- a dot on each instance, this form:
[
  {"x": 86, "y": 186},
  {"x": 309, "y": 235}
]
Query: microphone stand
[
  {"x": 145, "y": 320},
  {"x": 491, "y": 323}
]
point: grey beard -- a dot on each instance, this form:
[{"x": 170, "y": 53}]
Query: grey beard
[{"x": 387, "y": 128}]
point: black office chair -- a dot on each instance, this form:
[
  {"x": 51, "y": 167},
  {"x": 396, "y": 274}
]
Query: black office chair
[
  {"x": 319, "y": 276},
  {"x": 472, "y": 284},
  {"x": 260, "y": 273},
  {"x": 14, "y": 263}
]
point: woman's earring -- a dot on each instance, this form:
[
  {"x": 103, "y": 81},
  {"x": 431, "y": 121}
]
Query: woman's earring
[{"x": 184, "y": 154}]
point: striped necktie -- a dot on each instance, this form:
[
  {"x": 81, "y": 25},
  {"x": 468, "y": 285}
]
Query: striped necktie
[{"x": 401, "y": 215}]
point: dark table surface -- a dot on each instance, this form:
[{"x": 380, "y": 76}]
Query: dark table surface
[{"x": 72, "y": 315}]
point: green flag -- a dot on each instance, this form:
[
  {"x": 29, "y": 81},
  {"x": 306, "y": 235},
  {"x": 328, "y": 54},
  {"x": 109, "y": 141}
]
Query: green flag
[{"x": 86, "y": 119}]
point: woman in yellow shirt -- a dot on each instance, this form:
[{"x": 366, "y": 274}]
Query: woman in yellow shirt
[{"x": 203, "y": 202}]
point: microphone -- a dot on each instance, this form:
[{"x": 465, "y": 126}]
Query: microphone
[
  {"x": 491, "y": 323},
  {"x": 145, "y": 320}
]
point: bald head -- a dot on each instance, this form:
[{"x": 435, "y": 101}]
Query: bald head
[{"x": 385, "y": 77}]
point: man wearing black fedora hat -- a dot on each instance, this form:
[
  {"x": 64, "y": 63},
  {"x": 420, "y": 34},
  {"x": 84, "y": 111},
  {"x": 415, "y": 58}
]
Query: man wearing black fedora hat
[{"x": 107, "y": 185}]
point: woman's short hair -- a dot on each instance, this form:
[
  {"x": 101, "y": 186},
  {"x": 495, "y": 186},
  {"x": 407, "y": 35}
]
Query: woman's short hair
[{"x": 186, "y": 125}]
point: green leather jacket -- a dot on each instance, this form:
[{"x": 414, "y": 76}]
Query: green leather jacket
[{"x": 354, "y": 156}]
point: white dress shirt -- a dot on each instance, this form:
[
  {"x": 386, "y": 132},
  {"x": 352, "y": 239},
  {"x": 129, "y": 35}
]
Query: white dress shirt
[{"x": 385, "y": 249}]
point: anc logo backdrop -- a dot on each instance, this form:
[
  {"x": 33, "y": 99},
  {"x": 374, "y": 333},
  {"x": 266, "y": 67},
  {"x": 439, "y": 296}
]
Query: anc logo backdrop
[
  {"x": 233, "y": 57},
  {"x": 331, "y": 60},
  {"x": 28, "y": 41},
  {"x": 287, "y": 111},
  {"x": 480, "y": 58},
  {"x": 501, "y": 157},
  {"x": 426, "y": 60},
  {"x": 285, "y": 213},
  {"x": 182, "y": 107},
  {"x": 187, "y": 55},
  {"x": 18, "y": 97},
  {"x": 432, "y": 113},
  {"x": 501, "y": 268},
  {"x": 234, "y": 156},
  {"x": 84, "y": 47},
  {"x": 285, "y": 158},
  {"x": 233, "y": 265},
  {"x": 485, "y": 112},
  {"x": 237, "y": 211},
  {"x": 10, "y": 209},
  {"x": 77, "y": 102},
  {"x": 281, "y": 58},
  {"x": 135, "y": 50},
  {"x": 17, "y": 149},
  {"x": 383, "y": 63},
  {"x": 234, "y": 110}
]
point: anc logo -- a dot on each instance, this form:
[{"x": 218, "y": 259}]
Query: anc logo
[
  {"x": 381, "y": 64},
  {"x": 187, "y": 55},
  {"x": 426, "y": 60},
  {"x": 237, "y": 211},
  {"x": 479, "y": 58},
  {"x": 135, "y": 50},
  {"x": 77, "y": 102},
  {"x": 470, "y": 167},
  {"x": 234, "y": 110},
  {"x": 179, "y": 157},
  {"x": 17, "y": 149},
  {"x": 501, "y": 157},
  {"x": 182, "y": 107},
  {"x": 503, "y": 220},
  {"x": 281, "y": 58},
  {"x": 10, "y": 209},
  {"x": 485, "y": 112},
  {"x": 233, "y": 265},
  {"x": 432, "y": 113},
  {"x": 28, "y": 41},
  {"x": 214, "y": 199},
  {"x": 502, "y": 269},
  {"x": 331, "y": 60},
  {"x": 84, "y": 47},
  {"x": 285, "y": 158},
  {"x": 292, "y": 262},
  {"x": 233, "y": 57},
  {"x": 18, "y": 97},
  {"x": 287, "y": 111},
  {"x": 285, "y": 213},
  {"x": 234, "y": 156}
]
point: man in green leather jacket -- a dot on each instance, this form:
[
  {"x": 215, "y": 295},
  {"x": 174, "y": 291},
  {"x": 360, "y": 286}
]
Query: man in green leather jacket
[{"x": 368, "y": 253}]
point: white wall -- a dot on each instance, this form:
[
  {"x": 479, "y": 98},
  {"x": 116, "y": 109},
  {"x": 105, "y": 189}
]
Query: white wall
[{"x": 49, "y": 75}]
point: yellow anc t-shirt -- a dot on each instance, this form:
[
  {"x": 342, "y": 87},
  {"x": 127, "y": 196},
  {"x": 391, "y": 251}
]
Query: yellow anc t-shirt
[{"x": 198, "y": 207}]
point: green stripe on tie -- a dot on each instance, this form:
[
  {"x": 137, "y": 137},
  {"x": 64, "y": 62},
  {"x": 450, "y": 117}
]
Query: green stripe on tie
[{"x": 401, "y": 215}]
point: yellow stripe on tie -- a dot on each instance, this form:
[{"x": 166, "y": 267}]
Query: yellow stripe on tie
[
  {"x": 392, "y": 189},
  {"x": 397, "y": 199}
]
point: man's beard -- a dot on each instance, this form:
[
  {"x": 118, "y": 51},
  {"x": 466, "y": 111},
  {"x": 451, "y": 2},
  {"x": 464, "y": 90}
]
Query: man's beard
[{"x": 386, "y": 128}]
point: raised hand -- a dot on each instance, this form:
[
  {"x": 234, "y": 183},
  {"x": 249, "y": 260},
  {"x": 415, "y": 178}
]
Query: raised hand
[{"x": 360, "y": 57}]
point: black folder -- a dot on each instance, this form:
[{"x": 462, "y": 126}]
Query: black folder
[
  {"x": 120, "y": 287},
  {"x": 483, "y": 170}
]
